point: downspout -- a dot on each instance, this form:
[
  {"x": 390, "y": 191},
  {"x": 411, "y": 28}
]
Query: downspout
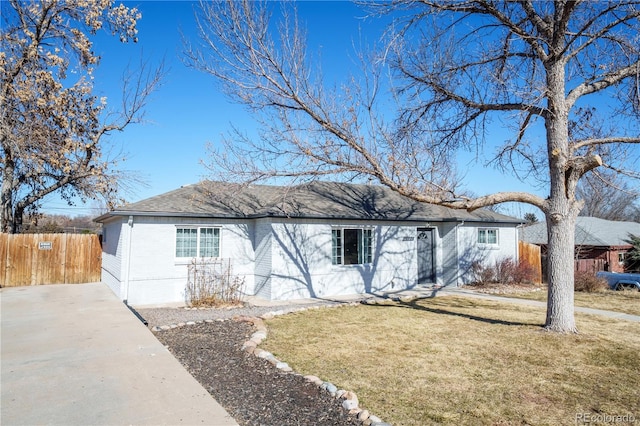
[
  {"x": 517, "y": 243},
  {"x": 127, "y": 271}
]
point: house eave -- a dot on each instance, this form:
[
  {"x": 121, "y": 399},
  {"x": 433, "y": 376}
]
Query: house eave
[
  {"x": 122, "y": 213},
  {"x": 192, "y": 215}
]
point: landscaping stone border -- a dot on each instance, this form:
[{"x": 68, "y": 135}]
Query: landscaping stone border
[{"x": 349, "y": 399}]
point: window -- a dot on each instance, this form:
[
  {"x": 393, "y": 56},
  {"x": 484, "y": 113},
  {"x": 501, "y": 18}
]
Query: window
[
  {"x": 488, "y": 236},
  {"x": 622, "y": 257},
  {"x": 351, "y": 246},
  {"x": 197, "y": 242}
]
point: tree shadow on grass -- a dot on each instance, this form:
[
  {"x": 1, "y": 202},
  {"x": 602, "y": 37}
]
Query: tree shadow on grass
[{"x": 413, "y": 304}]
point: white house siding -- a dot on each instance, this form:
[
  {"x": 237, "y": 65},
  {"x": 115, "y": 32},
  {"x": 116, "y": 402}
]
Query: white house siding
[
  {"x": 302, "y": 267},
  {"x": 283, "y": 259},
  {"x": 237, "y": 246},
  {"x": 470, "y": 251},
  {"x": 154, "y": 275},
  {"x": 262, "y": 243},
  {"x": 112, "y": 243},
  {"x": 449, "y": 254}
]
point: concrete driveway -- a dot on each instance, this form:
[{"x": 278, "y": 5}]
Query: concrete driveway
[{"x": 76, "y": 355}]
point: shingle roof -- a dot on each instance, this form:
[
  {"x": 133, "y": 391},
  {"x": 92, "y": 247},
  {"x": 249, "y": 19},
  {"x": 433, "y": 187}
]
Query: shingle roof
[
  {"x": 590, "y": 231},
  {"x": 314, "y": 200}
]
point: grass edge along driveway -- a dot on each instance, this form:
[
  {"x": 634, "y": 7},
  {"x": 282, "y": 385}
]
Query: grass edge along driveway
[{"x": 457, "y": 360}]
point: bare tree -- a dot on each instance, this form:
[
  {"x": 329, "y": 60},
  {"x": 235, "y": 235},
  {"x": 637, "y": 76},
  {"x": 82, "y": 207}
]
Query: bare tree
[
  {"x": 537, "y": 66},
  {"x": 607, "y": 196},
  {"x": 52, "y": 126}
]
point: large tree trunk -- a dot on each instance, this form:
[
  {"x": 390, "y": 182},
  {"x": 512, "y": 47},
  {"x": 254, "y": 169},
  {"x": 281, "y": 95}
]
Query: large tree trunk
[
  {"x": 6, "y": 213},
  {"x": 562, "y": 211},
  {"x": 560, "y": 264},
  {"x": 6, "y": 197},
  {"x": 18, "y": 218}
]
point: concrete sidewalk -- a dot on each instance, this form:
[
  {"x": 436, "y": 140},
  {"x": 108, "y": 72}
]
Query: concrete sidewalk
[{"x": 76, "y": 355}]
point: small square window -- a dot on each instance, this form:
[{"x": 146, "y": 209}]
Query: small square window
[{"x": 488, "y": 236}]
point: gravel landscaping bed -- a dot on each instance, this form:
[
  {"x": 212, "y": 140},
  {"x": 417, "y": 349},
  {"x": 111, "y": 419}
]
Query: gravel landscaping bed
[{"x": 251, "y": 389}]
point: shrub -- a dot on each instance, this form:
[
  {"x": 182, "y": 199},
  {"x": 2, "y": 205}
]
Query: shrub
[
  {"x": 503, "y": 271},
  {"x": 212, "y": 283},
  {"x": 482, "y": 274},
  {"x": 524, "y": 272},
  {"x": 588, "y": 282}
]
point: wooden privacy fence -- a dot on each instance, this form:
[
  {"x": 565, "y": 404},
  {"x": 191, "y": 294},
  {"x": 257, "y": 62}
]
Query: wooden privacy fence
[
  {"x": 530, "y": 253},
  {"x": 590, "y": 265},
  {"x": 35, "y": 259}
]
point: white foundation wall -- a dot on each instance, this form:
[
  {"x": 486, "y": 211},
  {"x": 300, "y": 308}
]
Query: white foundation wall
[
  {"x": 155, "y": 276},
  {"x": 302, "y": 267}
]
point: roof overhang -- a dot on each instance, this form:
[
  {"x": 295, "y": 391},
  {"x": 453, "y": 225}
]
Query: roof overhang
[{"x": 107, "y": 216}]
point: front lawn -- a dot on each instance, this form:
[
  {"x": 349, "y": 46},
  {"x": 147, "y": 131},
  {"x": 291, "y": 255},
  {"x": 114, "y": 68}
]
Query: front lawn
[
  {"x": 627, "y": 301},
  {"x": 455, "y": 360}
]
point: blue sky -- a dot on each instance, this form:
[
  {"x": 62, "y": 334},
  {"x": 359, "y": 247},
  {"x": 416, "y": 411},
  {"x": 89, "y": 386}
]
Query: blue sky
[{"x": 189, "y": 111}]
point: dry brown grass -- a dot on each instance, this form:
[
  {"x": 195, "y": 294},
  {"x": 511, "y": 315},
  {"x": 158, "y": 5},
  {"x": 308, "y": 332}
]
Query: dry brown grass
[
  {"x": 456, "y": 360},
  {"x": 627, "y": 301}
]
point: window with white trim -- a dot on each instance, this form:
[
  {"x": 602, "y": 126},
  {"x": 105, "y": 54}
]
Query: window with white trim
[
  {"x": 197, "y": 242},
  {"x": 351, "y": 246},
  {"x": 488, "y": 236}
]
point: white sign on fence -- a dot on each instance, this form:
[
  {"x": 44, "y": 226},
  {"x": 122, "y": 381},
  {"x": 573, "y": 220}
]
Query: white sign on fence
[{"x": 45, "y": 245}]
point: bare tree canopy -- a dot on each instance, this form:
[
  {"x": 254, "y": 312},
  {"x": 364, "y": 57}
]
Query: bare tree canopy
[
  {"x": 607, "y": 196},
  {"x": 564, "y": 76},
  {"x": 52, "y": 126}
]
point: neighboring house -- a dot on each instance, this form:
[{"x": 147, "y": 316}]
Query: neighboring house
[
  {"x": 600, "y": 245},
  {"x": 316, "y": 240}
]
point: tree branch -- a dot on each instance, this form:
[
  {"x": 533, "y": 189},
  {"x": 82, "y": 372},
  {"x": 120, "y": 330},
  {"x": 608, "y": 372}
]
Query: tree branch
[
  {"x": 603, "y": 82},
  {"x": 604, "y": 141}
]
